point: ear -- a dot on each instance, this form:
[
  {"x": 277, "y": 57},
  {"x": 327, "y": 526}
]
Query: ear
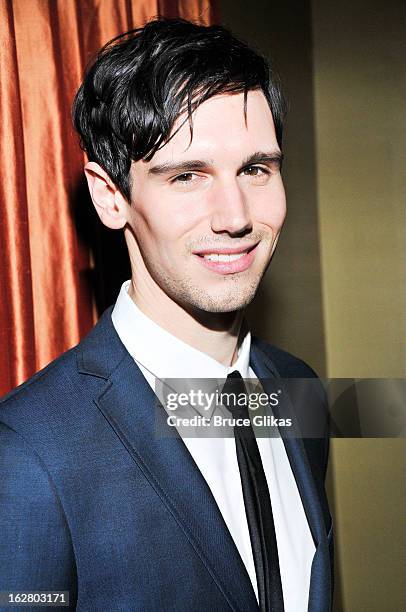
[{"x": 108, "y": 201}]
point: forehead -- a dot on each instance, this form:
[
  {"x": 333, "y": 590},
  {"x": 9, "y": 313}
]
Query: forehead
[{"x": 220, "y": 129}]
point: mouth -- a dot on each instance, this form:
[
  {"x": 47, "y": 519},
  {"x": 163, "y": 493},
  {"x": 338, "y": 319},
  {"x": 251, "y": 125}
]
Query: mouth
[{"x": 227, "y": 260}]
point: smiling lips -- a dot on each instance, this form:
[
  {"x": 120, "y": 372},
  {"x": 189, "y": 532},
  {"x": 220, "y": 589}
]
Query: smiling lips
[{"x": 227, "y": 261}]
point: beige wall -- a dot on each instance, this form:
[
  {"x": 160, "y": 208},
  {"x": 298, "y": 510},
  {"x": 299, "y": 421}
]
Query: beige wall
[
  {"x": 359, "y": 51},
  {"x": 336, "y": 290}
]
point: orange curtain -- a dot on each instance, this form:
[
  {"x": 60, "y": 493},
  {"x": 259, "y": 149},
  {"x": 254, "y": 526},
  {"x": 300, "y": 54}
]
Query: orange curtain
[{"x": 55, "y": 264}]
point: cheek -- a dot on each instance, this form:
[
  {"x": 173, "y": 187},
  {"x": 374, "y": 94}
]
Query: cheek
[
  {"x": 271, "y": 212},
  {"x": 166, "y": 220},
  {"x": 278, "y": 216},
  {"x": 268, "y": 204},
  {"x": 157, "y": 233}
]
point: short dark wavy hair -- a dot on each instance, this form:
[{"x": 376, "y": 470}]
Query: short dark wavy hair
[{"x": 141, "y": 81}]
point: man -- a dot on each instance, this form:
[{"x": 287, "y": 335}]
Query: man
[{"x": 182, "y": 125}]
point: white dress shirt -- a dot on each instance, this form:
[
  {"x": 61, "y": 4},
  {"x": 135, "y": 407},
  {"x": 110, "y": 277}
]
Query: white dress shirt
[{"x": 161, "y": 355}]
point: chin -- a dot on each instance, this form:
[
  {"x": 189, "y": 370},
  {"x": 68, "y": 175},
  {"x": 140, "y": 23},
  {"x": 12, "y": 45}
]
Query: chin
[
  {"x": 220, "y": 297},
  {"x": 229, "y": 302},
  {"x": 223, "y": 308}
]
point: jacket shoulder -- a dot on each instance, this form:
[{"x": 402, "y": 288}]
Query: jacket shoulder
[
  {"x": 61, "y": 379},
  {"x": 52, "y": 376}
]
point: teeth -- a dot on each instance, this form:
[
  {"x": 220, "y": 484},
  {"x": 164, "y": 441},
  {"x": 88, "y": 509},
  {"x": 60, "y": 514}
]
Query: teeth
[{"x": 223, "y": 257}]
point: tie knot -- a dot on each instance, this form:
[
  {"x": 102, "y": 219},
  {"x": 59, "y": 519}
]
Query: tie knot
[
  {"x": 234, "y": 375},
  {"x": 234, "y": 395}
]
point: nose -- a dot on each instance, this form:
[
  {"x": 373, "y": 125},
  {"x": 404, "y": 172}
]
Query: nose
[{"x": 231, "y": 212}]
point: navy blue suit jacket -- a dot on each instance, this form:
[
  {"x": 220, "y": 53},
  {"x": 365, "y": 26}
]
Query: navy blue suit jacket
[{"x": 92, "y": 502}]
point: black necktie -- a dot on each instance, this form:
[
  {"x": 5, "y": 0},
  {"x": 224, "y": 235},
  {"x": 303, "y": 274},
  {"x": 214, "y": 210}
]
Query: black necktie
[{"x": 257, "y": 502}]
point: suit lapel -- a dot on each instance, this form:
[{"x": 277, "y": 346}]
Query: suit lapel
[
  {"x": 294, "y": 446},
  {"x": 320, "y": 580},
  {"x": 129, "y": 405}
]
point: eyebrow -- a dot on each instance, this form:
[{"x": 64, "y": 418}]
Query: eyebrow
[{"x": 259, "y": 157}]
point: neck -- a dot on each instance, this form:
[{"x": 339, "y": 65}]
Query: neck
[{"x": 215, "y": 334}]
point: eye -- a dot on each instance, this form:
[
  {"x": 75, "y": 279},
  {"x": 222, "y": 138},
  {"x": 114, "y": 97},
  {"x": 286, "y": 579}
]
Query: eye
[
  {"x": 186, "y": 177},
  {"x": 255, "y": 171}
]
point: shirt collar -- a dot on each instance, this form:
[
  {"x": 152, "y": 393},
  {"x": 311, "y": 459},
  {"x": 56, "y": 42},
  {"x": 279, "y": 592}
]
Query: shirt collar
[{"x": 163, "y": 354}]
